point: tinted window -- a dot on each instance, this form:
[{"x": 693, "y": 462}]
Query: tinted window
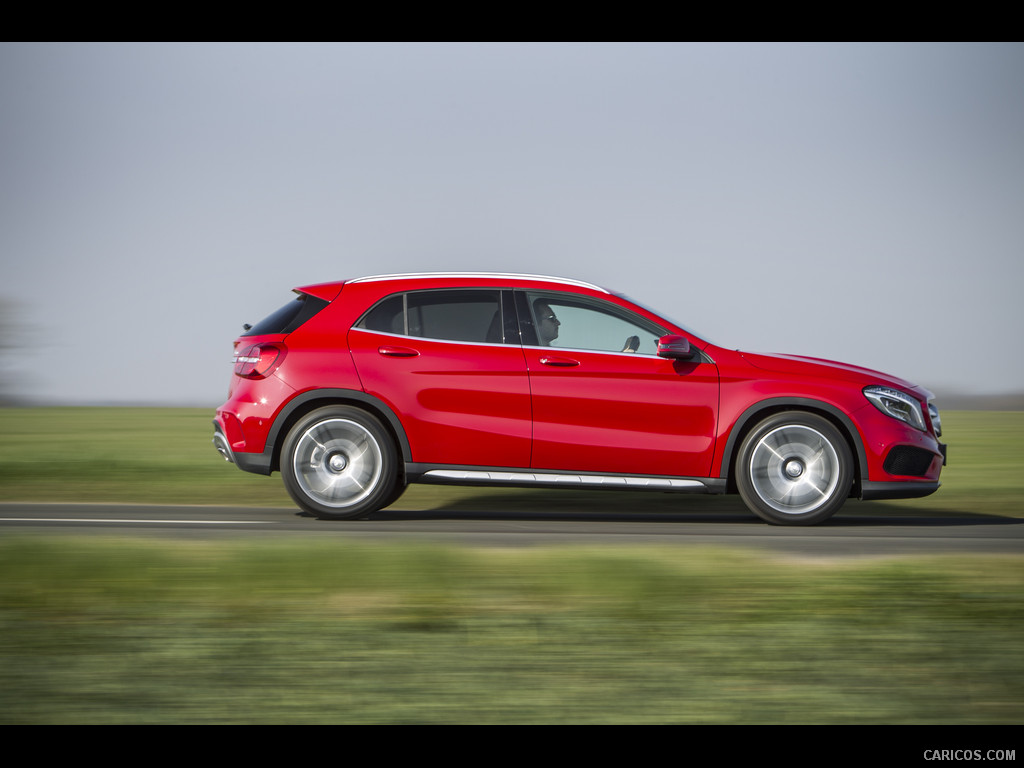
[
  {"x": 386, "y": 316},
  {"x": 452, "y": 315},
  {"x": 289, "y": 317},
  {"x": 455, "y": 315}
]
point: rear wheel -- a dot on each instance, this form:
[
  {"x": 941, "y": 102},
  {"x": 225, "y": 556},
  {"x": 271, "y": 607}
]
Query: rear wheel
[
  {"x": 794, "y": 469},
  {"x": 339, "y": 462}
]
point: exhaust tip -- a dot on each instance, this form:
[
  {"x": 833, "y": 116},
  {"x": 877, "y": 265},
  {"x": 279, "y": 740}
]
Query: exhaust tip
[{"x": 221, "y": 444}]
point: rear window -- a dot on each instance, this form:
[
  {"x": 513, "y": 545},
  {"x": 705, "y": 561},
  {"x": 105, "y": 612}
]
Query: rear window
[{"x": 289, "y": 317}]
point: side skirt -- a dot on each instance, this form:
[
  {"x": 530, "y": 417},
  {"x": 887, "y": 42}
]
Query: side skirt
[{"x": 495, "y": 476}]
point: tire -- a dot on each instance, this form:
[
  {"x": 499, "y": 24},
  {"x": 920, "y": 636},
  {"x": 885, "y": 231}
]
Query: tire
[
  {"x": 794, "y": 468},
  {"x": 339, "y": 462},
  {"x": 395, "y": 495}
]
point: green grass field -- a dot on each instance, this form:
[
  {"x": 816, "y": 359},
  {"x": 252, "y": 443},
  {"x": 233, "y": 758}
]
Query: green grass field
[
  {"x": 99, "y": 630},
  {"x": 164, "y": 456}
]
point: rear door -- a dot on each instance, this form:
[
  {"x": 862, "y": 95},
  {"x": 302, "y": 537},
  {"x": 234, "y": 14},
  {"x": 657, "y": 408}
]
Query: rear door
[{"x": 445, "y": 363}]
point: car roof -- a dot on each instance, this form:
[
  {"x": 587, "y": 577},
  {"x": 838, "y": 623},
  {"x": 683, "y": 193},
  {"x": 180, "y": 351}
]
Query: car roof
[{"x": 329, "y": 291}]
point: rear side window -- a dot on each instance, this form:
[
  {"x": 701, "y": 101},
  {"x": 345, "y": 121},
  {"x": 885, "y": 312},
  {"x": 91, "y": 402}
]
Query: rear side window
[
  {"x": 289, "y": 317},
  {"x": 451, "y": 315}
]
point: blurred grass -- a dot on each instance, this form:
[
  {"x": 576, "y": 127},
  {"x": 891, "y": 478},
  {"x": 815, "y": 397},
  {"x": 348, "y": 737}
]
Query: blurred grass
[
  {"x": 98, "y": 631},
  {"x": 165, "y": 456},
  {"x": 149, "y": 455}
]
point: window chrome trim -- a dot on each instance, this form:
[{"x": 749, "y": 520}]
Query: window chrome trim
[
  {"x": 505, "y": 345},
  {"x": 582, "y": 351}
]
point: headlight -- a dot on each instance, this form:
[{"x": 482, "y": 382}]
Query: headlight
[{"x": 899, "y": 405}]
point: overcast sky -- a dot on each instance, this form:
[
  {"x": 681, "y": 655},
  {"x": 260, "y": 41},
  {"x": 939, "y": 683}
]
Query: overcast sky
[{"x": 856, "y": 202}]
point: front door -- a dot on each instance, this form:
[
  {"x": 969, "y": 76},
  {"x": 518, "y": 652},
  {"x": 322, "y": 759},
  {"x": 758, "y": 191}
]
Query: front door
[{"x": 603, "y": 401}]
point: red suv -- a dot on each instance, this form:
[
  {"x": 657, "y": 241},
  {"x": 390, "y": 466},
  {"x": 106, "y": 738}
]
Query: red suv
[{"x": 357, "y": 388}]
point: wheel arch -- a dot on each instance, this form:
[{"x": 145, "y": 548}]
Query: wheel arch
[
  {"x": 757, "y": 412},
  {"x": 307, "y": 402}
]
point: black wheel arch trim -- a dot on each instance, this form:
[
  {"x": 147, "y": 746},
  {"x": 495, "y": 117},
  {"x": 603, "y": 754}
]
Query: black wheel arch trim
[
  {"x": 763, "y": 408},
  {"x": 268, "y": 461}
]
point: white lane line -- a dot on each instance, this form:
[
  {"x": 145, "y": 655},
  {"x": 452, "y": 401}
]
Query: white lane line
[{"x": 129, "y": 520}]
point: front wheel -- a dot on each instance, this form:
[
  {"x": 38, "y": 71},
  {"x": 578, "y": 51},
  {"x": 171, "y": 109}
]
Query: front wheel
[
  {"x": 794, "y": 469},
  {"x": 339, "y": 462}
]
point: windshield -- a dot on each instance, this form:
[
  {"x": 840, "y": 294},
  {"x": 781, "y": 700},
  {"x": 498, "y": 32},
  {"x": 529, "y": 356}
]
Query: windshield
[{"x": 658, "y": 313}]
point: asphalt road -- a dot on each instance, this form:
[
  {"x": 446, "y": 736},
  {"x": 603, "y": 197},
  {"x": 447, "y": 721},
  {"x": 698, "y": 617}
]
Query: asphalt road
[{"x": 842, "y": 536}]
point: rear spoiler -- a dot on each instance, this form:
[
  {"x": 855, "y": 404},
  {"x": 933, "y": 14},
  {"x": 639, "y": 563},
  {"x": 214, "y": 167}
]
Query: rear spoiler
[{"x": 326, "y": 291}]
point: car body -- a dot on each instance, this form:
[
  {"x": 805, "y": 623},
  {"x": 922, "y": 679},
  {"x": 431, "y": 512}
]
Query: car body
[{"x": 356, "y": 388}]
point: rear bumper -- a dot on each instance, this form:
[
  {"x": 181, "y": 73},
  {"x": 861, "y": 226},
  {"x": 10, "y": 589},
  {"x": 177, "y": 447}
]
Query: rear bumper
[
  {"x": 221, "y": 443},
  {"x": 257, "y": 463}
]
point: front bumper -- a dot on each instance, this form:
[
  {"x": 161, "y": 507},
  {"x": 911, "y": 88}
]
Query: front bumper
[{"x": 874, "y": 491}]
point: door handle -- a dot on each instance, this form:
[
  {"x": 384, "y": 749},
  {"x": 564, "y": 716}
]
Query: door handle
[
  {"x": 559, "y": 362},
  {"x": 389, "y": 351}
]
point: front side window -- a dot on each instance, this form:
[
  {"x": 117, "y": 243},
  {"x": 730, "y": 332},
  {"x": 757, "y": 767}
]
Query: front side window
[
  {"x": 572, "y": 322},
  {"x": 450, "y": 315}
]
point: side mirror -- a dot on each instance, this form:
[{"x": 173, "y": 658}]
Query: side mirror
[{"x": 674, "y": 347}]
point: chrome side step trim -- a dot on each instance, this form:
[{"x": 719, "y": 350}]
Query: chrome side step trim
[{"x": 541, "y": 478}]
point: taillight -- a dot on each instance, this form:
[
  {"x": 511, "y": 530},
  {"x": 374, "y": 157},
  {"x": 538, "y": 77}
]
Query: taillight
[{"x": 258, "y": 361}]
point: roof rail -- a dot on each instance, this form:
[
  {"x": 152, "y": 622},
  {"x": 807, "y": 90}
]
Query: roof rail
[{"x": 511, "y": 275}]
